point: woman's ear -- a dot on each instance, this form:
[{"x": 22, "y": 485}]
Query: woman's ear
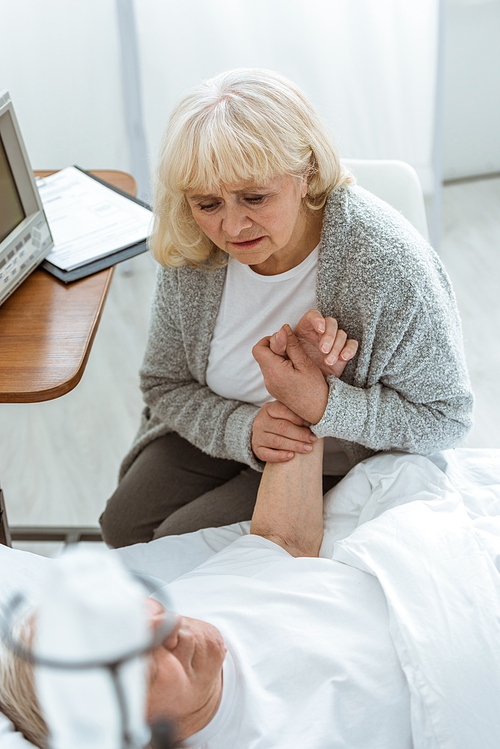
[{"x": 304, "y": 186}]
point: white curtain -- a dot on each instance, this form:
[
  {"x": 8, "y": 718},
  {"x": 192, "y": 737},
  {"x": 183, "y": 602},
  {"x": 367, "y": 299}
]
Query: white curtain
[
  {"x": 369, "y": 66},
  {"x": 60, "y": 61}
]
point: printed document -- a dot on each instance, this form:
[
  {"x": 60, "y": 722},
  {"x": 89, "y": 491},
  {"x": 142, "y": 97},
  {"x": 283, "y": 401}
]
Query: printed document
[{"x": 88, "y": 220}]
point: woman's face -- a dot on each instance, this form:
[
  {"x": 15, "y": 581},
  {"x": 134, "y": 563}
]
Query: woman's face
[
  {"x": 264, "y": 226},
  {"x": 185, "y": 676}
]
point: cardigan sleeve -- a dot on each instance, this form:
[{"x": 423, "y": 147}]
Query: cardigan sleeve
[
  {"x": 422, "y": 401},
  {"x": 176, "y": 398}
]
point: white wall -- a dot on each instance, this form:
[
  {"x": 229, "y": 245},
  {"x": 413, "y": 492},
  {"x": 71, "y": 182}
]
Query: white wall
[
  {"x": 471, "y": 137},
  {"x": 59, "y": 60}
]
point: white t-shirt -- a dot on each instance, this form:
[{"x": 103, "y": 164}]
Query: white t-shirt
[
  {"x": 309, "y": 664},
  {"x": 254, "y": 306}
]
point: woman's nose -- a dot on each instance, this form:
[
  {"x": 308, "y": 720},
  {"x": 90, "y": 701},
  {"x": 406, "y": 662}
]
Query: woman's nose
[{"x": 235, "y": 220}]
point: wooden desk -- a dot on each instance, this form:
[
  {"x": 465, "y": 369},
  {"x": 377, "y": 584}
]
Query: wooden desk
[{"x": 47, "y": 327}]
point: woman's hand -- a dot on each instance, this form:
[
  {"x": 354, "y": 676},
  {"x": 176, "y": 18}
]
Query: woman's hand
[
  {"x": 279, "y": 433},
  {"x": 292, "y": 377},
  {"x": 327, "y": 346}
]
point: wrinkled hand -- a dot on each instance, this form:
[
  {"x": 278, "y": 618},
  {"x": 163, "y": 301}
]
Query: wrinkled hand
[
  {"x": 327, "y": 346},
  {"x": 279, "y": 433},
  {"x": 292, "y": 377}
]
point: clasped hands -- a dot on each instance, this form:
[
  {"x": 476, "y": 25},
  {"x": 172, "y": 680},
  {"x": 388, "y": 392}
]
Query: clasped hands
[{"x": 294, "y": 365}]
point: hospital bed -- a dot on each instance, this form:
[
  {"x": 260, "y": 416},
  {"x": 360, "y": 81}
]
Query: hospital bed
[{"x": 429, "y": 529}]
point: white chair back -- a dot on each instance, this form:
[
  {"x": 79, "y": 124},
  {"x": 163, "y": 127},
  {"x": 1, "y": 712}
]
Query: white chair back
[{"x": 397, "y": 183}]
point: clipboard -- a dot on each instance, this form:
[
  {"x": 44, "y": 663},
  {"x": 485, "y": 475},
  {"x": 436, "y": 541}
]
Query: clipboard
[{"x": 113, "y": 258}]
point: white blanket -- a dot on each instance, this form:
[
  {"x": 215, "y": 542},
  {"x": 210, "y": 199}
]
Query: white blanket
[
  {"x": 429, "y": 530},
  {"x": 433, "y": 552}
]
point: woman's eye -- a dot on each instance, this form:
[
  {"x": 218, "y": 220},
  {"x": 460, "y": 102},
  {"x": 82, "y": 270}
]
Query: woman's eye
[
  {"x": 255, "y": 199},
  {"x": 208, "y": 207}
]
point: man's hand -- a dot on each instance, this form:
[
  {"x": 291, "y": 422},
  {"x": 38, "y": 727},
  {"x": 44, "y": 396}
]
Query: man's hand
[
  {"x": 327, "y": 346},
  {"x": 292, "y": 377},
  {"x": 279, "y": 433}
]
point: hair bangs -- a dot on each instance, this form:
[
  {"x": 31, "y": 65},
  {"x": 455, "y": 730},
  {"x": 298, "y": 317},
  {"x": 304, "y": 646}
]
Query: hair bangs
[{"x": 221, "y": 151}]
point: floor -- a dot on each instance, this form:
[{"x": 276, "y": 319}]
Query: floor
[
  {"x": 470, "y": 250},
  {"x": 59, "y": 460}
]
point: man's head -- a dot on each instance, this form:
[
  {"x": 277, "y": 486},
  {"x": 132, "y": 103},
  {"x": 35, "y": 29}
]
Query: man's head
[
  {"x": 185, "y": 674},
  {"x": 184, "y": 678},
  {"x": 17, "y": 688}
]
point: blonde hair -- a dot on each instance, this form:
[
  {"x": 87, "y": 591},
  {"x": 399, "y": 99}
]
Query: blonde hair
[
  {"x": 246, "y": 125},
  {"x": 17, "y": 689}
]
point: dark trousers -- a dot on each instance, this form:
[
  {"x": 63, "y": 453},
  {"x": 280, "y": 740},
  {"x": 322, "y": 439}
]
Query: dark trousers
[{"x": 173, "y": 487}]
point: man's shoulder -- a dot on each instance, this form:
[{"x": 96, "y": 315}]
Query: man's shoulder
[{"x": 248, "y": 556}]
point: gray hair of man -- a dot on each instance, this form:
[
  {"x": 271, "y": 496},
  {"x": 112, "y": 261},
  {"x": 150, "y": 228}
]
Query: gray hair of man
[{"x": 17, "y": 688}]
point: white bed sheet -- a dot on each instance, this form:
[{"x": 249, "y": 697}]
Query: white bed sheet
[{"x": 413, "y": 503}]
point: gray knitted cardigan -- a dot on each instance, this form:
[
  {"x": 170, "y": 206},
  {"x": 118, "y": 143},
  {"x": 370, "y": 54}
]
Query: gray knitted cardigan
[{"x": 406, "y": 389}]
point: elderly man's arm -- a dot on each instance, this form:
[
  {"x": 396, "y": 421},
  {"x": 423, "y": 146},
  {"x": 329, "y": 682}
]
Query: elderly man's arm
[{"x": 289, "y": 507}]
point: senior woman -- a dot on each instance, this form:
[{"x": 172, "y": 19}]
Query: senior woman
[{"x": 258, "y": 224}]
